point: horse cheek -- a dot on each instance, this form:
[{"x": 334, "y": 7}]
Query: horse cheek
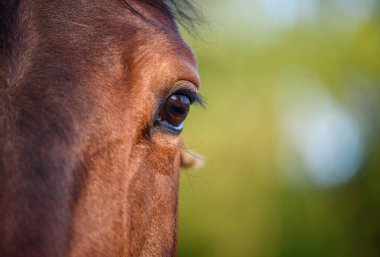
[{"x": 153, "y": 198}]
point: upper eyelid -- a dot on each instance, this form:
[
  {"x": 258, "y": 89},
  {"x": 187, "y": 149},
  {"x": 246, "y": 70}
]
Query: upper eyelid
[{"x": 183, "y": 85}]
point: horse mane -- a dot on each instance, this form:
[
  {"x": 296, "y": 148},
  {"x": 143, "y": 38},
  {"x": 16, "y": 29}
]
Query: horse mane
[{"x": 184, "y": 12}]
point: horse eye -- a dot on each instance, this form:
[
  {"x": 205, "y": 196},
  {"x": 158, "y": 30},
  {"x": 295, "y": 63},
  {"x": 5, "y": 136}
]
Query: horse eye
[{"x": 174, "y": 112}]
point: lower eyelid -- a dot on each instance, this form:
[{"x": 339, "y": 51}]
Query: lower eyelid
[{"x": 170, "y": 128}]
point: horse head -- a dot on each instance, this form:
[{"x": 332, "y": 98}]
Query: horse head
[{"x": 93, "y": 97}]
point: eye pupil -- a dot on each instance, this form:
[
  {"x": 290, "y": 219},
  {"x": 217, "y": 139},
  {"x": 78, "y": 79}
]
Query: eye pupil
[{"x": 175, "y": 110}]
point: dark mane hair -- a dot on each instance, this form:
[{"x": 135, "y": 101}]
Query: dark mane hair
[{"x": 184, "y": 12}]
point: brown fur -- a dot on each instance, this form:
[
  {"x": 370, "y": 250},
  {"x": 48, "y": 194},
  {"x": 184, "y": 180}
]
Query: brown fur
[{"x": 82, "y": 170}]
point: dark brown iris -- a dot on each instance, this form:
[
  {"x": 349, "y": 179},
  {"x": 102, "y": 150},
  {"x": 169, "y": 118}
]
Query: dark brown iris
[{"x": 175, "y": 110}]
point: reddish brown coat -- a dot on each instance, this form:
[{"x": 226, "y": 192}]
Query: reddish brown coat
[{"x": 83, "y": 172}]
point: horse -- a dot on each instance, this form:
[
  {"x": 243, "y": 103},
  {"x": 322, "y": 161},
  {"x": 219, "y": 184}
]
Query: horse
[{"x": 93, "y": 98}]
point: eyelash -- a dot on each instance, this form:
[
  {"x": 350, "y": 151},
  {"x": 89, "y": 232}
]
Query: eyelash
[{"x": 195, "y": 98}]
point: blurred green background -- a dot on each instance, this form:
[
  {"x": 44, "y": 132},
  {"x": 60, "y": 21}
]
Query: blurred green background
[{"x": 291, "y": 131}]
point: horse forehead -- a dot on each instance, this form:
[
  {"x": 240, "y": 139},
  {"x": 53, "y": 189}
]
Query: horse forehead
[
  {"x": 159, "y": 36},
  {"x": 166, "y": 48}
]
